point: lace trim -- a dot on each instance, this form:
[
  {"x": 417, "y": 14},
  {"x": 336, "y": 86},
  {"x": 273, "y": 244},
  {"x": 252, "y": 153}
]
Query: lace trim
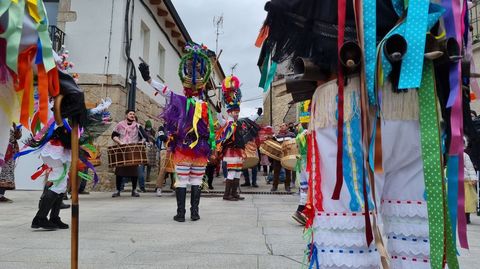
[
  {"x": 405, "y": 208},
  {"x": 409, "y": 246},
  {"x": 345, "y": 239},
  {"x": 348, "y": 260},
  {"x": 341, "y": 221},
  {"x": 56, "y": 153},
  {"x": 398, "y": 226}
]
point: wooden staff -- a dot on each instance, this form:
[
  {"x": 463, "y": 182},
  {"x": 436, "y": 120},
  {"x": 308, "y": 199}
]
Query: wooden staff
[
  {"x": 73, "y": 181},
  {"x": 74, "y": 192}
]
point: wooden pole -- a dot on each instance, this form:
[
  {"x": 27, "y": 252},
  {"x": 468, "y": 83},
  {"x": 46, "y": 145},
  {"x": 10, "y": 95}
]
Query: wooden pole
[{"x": 74, "y": 192}]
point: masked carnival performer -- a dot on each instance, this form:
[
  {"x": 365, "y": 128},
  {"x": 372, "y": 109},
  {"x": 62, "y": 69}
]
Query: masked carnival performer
[
  {"x": 374, "y": 150},
  {"x": 189, "y": 123},
  {"x": 302, "y": 175},
  {"x": 234, "y": 136}
]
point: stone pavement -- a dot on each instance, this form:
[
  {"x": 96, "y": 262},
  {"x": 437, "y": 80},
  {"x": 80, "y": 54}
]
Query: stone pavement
[{"x": 139, "y": 233}]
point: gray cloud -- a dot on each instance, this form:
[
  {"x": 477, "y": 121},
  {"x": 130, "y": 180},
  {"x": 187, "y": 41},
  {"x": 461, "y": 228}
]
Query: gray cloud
[{"x": 242, "y": 21}]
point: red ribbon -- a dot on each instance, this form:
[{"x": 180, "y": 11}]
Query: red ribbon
[
  {"x": 318, "y": 177},
  {"x": 340, "y": 80},
  {"x": 40, "y": 170},
  {"x": 309, "y": 211}
]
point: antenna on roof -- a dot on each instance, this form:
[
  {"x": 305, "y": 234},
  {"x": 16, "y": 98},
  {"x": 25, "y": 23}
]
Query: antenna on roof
[
  {"x": 218, "y": 24},
  {"x": 234, "y": 67}
]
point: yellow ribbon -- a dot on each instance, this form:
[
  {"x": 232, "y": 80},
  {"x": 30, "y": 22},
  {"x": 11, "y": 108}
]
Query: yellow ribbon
[
  {"x": 33, "y": 10},
  {"x": 197, "y": 115}
]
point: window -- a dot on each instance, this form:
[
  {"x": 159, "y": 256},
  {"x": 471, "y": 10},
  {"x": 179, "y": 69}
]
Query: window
[
  {"x": 161, "y": 61},
  {"x": 51, "y": 7},
  {"x": 475, "y": 22},
  {"x": 145, "y": 38}
]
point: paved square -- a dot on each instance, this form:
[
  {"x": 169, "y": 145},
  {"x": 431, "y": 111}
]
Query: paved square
[{"x": 139, "y": 233}]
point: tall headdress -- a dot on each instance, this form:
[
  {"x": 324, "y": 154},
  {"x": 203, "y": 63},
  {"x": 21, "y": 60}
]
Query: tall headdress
[
  {"x": 232, "y": 96},
  {"x": 194, "y": 70}
]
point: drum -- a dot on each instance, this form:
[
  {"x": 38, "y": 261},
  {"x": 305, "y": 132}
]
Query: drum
[
  {"x": 169, "y": 164},
  {"x": 251, "y": 155},
  {"x": 272, "y": 149},
  {"x": 290, "y": 154},
  {"x": 127, "y": 155}
]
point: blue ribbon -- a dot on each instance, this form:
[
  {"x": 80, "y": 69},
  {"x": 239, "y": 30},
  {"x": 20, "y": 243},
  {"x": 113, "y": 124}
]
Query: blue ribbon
[
  {"x": 314, "y": 257},
  {"x": 415, "y": 34},
  {"x": 434, "y": 13},
  {"x": 370, "y": 41},
  {"x": 39, "y": 57},
  {"x": 45, "y": 140}
]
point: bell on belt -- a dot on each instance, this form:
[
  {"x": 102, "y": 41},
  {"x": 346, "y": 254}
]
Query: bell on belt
[
  {"x": 307, "y": 69},
  {"x": 395, "y": 48},
  {"x": 350, "y": 56},
  {"x": 432, "y": 48},
  {"x": 451, "y": 51}
]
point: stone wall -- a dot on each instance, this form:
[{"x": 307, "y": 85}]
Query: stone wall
[
  {"x": 98, "y": 87},
  {"x": 280, "y": 107}
]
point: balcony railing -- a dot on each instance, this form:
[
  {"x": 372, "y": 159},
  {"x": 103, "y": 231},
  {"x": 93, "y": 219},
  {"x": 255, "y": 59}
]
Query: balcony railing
[
  {"x": 57, "y": 36},
  {"x": 474, "y": 21}
]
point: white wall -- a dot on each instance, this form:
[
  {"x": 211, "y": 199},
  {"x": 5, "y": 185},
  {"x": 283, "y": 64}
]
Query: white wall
[{"x": 87, "y": 39}]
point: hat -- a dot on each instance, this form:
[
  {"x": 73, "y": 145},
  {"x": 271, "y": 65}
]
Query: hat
[
  {"x": 194, "y": 69},
  {"x": 232, "y": 96},
  {"x": 148, "y": 124}
]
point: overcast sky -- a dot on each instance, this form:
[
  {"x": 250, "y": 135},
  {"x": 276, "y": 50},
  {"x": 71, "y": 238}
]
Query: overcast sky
[{"x": 241, "y": 24}]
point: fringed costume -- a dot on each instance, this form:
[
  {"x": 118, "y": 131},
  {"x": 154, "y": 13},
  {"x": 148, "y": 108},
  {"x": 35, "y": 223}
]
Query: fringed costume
[
  {"x": 189, "y": 124},
  {"x": 384, "y": 75},
  {"x": 234, "y": 135}
]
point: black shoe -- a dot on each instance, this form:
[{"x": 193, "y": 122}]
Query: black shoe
[
  {"x": 43, "y": 223},
  {"x": 194, "y": 202},
  {"x": 64, "y": 206},
  {"x": 181, "y": 195},
  {"x": 143, "y": 190},
  {"x": 255, "y": 185},
  {"x": 210, "y": 187},
  {"x": 116, "y": 194},
  {"x": 84, "y": 192},
  {"x": 135, "y": 194},
  {"x": 58, "y": 222},
  {"x": 245, "y": 185}
]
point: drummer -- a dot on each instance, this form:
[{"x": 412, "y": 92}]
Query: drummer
[
  {"x": 234, "y": 135},
  {"x": 283, "y": 135},
  {"x": 127, "y": 131}
]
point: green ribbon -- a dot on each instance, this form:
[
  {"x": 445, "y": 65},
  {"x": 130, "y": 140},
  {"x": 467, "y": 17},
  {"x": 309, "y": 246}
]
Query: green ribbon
[
  {"x": 211, "y": 139},
  {"x": 85, "y": 176},
  {"x": 42, "y": 28},
  {"x": 190, "y": 101},
  {"x": 13, "y": 33},
  {"x": 61, "y": 177},
  {"x": 438, "y": 221}
]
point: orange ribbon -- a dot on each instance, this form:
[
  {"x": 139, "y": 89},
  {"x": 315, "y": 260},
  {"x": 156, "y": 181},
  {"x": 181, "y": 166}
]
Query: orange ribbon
[{"x": 262, "y": 36}]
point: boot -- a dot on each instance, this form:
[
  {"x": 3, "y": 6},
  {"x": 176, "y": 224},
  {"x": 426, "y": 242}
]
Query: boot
[
  {"x": 46, "y": 203},
  {"x": 54, "y": 213},
  {"x": 288, "y": 180},
  {"x": 194, "y": 202},
  {"x": 467, "y": 216},
  {"x": 227, "y": 195},
  {"x": 181, "y": 194},
  {"x": 236, "y": 184}
]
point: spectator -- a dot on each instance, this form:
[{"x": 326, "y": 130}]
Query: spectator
[
  {"x": 283, "y": 135},
  {"x": 247, "y": 177},
  {"x": 7, "y": 175}
]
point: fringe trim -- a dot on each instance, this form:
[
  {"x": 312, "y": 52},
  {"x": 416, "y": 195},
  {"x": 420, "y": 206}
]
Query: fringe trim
[
  {"x": 399, "y": 106},
  {"x": 324, "y": 103}
]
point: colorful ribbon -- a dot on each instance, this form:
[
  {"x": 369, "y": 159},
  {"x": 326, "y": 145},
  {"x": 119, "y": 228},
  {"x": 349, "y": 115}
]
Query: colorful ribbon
[
  {"x": 370, "y": 41},
  {"x": 432, "y": 167},
  {"x": 342, "y": 7}
]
